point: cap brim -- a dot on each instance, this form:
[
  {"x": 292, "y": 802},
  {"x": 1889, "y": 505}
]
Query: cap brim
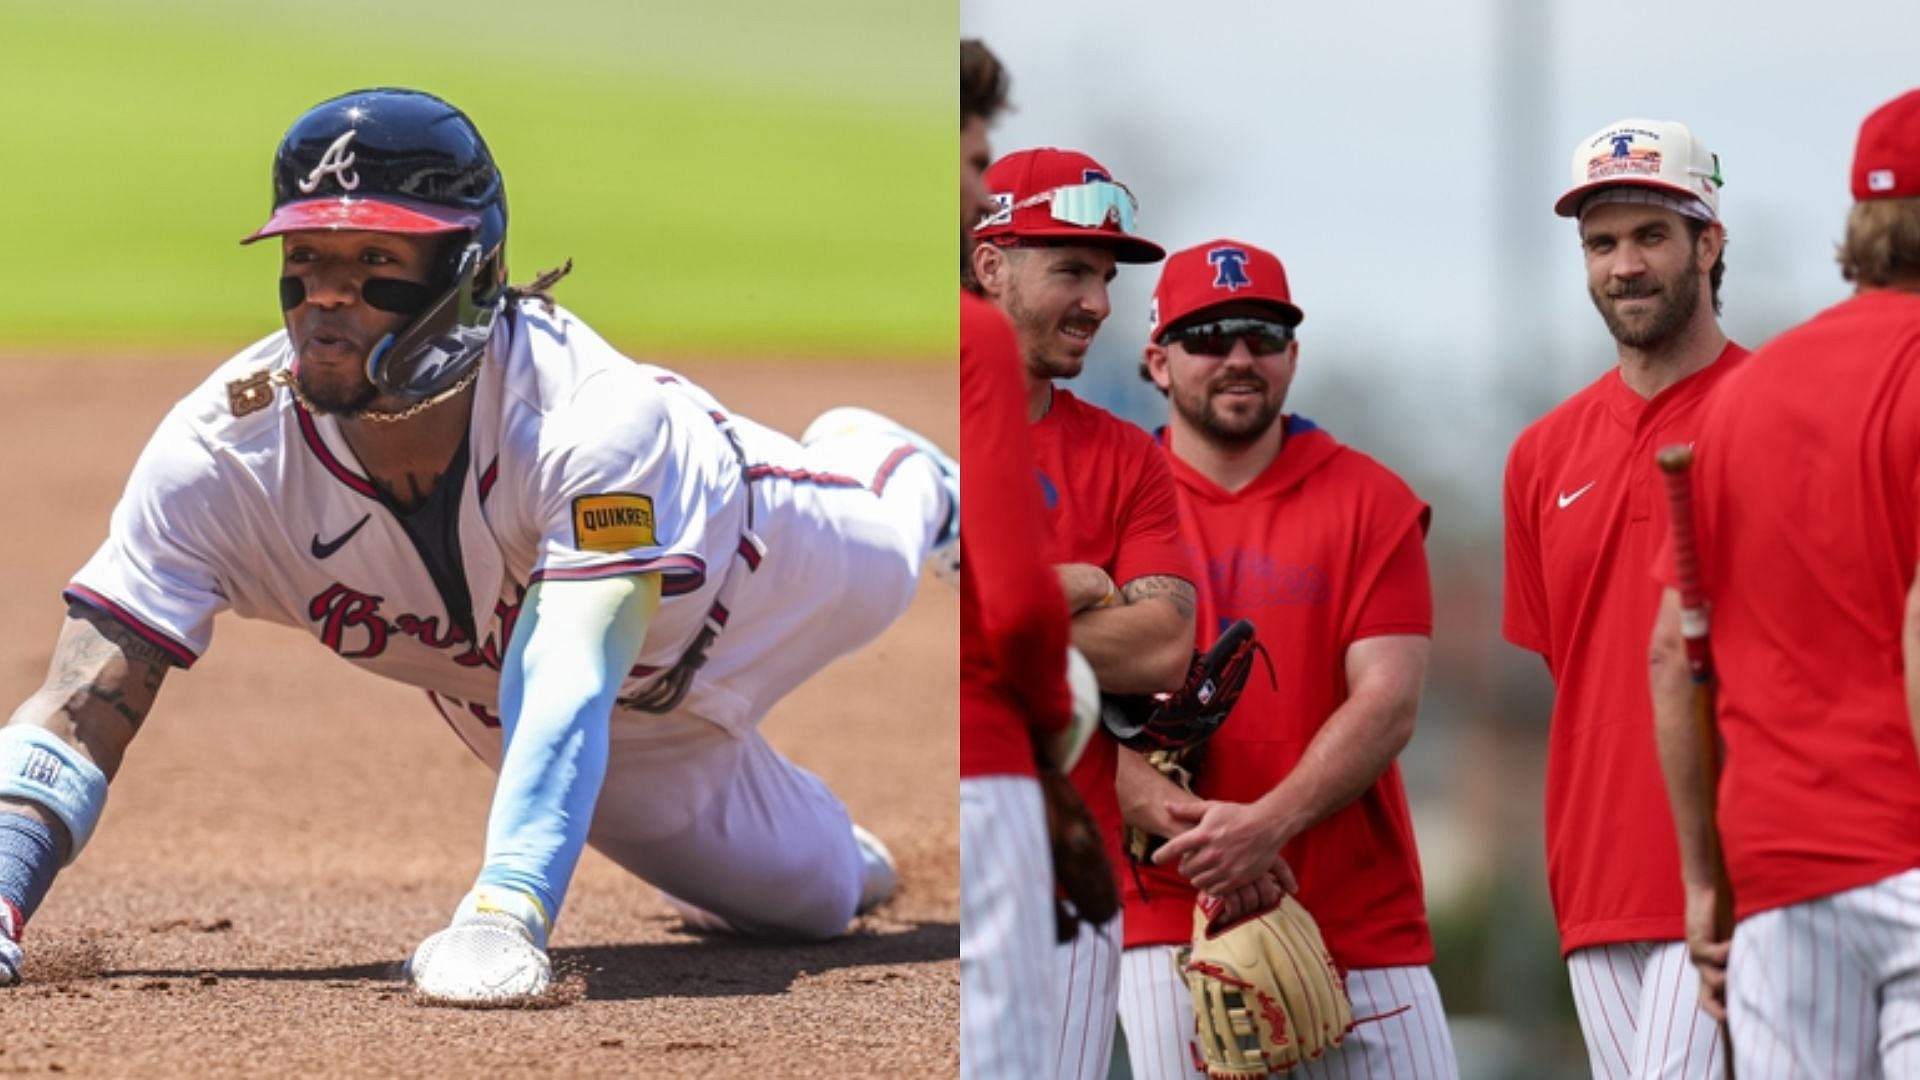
[
  {"x": 1568, "y": 205},
  {"x": 1290, "y": 315},
  {"x": 1126, "y": 249},
  {"x": 345, "y": 213}
]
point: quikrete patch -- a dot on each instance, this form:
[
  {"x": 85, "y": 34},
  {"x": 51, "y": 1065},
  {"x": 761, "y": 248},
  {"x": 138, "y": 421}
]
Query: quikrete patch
[{"x": 612, "y": 522}]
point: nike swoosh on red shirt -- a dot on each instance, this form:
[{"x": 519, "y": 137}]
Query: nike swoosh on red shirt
[{"x": 1566, "y": 500}]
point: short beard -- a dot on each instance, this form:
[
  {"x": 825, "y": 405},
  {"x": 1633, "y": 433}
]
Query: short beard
[
  {"x": 1036, "y": 340},
  {"x": 1678, "y": 303},
  {"x": 1219, "y": 428},
  {"x": 334, "y": 397}
]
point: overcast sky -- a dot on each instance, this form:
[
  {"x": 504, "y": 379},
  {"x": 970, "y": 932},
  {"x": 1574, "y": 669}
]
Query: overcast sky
[{"x": 1402, "y": 158}]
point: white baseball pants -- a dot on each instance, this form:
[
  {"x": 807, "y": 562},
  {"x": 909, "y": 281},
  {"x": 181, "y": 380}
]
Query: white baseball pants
[
  {"x": 1086, "y": 1001},
  {"x": 1639, "y": 1006},
  {"x": 1829, "y": 987},
  {"x": 1006, "y": 930}
]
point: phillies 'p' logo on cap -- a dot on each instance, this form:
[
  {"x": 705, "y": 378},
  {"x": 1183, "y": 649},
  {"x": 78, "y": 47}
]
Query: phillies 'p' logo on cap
[
  {"x": 1216, "y": 273},
  {"x": 1230, "y": 268}
]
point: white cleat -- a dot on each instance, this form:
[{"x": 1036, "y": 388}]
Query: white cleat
[
  {"x": 494, "y": 951},
  {"x": 486, "y": 959},
  {"x": 882, "y": 875},
  {"x": 944, "y": 557}
]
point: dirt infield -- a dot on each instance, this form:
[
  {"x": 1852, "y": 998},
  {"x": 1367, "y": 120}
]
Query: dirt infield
[{"x": 286, "y": 829}]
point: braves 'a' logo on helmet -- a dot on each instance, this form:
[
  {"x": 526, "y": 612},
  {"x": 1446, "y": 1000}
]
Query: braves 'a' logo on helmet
[
  {"x": 338, "y": 161},
  {"x": 1229, "y": 268},
  {"x": 426, "y": 170}
]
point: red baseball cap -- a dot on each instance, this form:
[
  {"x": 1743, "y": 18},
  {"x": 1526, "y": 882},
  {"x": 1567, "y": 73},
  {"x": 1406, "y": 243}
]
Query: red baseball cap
[
  {"x": 1215, "y": 273},
  {"x": 1052, "y": 194},
  {"x": 1886, "y": 160}
]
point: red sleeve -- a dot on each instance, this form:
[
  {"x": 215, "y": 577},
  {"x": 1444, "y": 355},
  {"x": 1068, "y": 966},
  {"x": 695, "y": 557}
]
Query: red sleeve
[
  {"x": 1525, "y": 623},
  {"x": 1401, "y": 599},
  {"x": 1150, "y": 542},
  {"x": 1022, "y": 612}
]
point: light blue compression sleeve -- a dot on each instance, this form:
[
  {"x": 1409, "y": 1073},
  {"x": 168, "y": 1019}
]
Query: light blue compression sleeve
[{"x": 572, "y": 648}]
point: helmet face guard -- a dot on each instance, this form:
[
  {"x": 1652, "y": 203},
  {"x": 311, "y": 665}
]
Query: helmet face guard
[
  {"x": 402, "y": 161},
  {"x": 441, "y": 343}
]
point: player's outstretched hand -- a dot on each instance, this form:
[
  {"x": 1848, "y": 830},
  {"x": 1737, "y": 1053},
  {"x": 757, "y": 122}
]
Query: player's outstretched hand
[
  {"x": 494, "y": 951},
  {"x": 11, "y": 958},
  {"x": 1708, "y": 952}
]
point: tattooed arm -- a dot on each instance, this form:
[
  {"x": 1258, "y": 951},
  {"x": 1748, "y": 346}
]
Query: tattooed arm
[
  {"x": 98, "y": 690},
  {"x": 1144, "y": 644}
]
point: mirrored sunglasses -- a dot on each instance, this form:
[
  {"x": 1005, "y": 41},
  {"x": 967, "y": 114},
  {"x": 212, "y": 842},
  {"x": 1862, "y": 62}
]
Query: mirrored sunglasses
[
  {"x": 1089, "y": 205},
  {"x": 1264, "y": 337}
]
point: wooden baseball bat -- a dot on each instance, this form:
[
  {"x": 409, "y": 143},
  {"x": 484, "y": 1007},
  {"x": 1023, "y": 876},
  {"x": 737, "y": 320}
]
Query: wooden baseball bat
[{"x": 1676, "y": 462}]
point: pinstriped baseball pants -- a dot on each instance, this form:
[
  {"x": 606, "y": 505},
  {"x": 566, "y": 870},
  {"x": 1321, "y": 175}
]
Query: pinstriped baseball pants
[
  {"x": 1006, "y": 930},
  {"x": 1829, "y": 987},
  {"x": 1640, "y": 1014}
]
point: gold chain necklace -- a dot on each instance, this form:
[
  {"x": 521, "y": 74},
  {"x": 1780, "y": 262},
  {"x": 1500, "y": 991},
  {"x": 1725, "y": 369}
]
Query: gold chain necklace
[{"x": 284, "y": 377}]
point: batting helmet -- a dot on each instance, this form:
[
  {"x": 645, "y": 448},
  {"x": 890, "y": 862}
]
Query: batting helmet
[{"x": 402, "y": 161}]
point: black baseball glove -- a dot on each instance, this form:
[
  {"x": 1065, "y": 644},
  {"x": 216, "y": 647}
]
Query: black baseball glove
[{"x": 1184, "y": 719}]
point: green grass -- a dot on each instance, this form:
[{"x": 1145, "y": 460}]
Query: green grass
[{"x": 746, "y": 177}]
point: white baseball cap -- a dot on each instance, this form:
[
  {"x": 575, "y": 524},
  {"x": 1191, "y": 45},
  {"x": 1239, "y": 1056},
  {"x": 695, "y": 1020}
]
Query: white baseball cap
[{"x": 1658, "y": 155}]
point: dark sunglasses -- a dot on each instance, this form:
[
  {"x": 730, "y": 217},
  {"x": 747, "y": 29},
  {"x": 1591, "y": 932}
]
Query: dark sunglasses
[{"x": 1264, "y": 337}]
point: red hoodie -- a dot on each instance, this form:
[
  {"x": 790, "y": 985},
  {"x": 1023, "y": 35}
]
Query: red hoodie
[{"x": 1323, "y": 549}]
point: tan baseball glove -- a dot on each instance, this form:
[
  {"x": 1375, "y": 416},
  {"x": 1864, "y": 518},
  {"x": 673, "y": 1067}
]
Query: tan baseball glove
[
  {"x": 1177, "y": 766},
  {"x": 1265, "y": 993}
]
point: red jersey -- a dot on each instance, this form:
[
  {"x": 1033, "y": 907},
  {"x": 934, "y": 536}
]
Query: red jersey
[
  {"x": 1586, "y": 510},
  {"x": 1323, "y": 549},
  {"x": 1807, "y": 497},
  {"x": 1110, "y": 503},
  {"x": 1013, "y": 617}
]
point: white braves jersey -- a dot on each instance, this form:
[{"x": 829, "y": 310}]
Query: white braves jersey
[{"x": 581, "y": 463}]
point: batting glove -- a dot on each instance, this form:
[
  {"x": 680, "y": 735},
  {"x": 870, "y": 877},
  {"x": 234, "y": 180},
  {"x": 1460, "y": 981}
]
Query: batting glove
[
  {"x": 11, "y": 958},
  {"x": 495, "y": 950}
]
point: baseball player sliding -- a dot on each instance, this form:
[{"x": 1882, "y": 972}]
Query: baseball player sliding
[
  {"x": 1059, "y": 227},
  {"x": 601, "y": 577},
  {"x": 1584, "y": 516},
  {"x": 1323, "y": 550},
  {"x": 1807, "y": 519}
]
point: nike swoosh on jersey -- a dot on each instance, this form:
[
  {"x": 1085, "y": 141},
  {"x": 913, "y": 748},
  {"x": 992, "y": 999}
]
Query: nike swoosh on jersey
[
  {"x": 1566, "y": 500},
  {"x": 323, "y": 549}
]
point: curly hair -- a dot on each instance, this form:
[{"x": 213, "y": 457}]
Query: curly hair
[{"x": 1882, "y": 247}]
